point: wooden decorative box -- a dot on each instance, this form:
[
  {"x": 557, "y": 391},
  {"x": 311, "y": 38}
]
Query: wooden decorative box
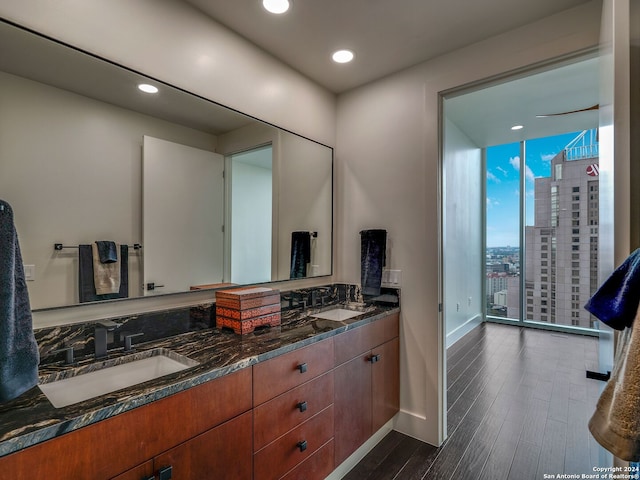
[
  {"x": 245, "y": 308},
  {"x": 244, "y": 298}
]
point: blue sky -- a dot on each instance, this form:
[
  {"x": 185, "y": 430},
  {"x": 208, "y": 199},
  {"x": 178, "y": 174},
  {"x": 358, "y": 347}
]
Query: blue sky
[{"x": 503, "y": 173}]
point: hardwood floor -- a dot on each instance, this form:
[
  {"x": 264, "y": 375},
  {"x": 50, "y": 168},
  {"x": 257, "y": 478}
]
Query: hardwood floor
[{"x": 518, "y": 406}]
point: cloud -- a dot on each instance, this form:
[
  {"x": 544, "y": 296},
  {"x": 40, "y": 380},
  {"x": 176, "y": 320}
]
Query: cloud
[
  {"x": 492, "y": 177},
  {"x": 504, "y": 172},
  {"x": 515, "y": 163},
  {"x": 547, "y": 157},
  {"x": 530, "y": 176},
  {"x": 492, "y": 203}
]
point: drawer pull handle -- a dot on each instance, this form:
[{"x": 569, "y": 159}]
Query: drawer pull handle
[
  {"x": 302, "y": 367},
  {"x": 374, "y": 358},
  {"x": 165, "y": 473},
  {"x": 302, "y": 445},
  {"x": 302, "y": 406}
]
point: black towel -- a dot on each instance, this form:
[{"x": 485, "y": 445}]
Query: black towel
[
  {"x": 86, "y": 284},
  {"x": 300, "y": 254},
  {"x": 373, "y": 245},
  {"x": 18, "y": 348},
  {"x": 107, "y": 251}
]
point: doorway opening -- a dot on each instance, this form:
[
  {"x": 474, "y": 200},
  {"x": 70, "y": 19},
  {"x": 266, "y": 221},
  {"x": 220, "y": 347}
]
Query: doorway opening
[
  {"x": 511, "y": 258},
  {"x": 249, "y": 179}
]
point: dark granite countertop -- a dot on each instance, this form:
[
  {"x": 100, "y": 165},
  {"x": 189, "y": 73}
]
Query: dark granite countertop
[{"x": 31, "y": 418}]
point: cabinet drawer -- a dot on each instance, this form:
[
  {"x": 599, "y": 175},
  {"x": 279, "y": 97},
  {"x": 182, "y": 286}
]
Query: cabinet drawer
[
  {"x": 279, "y": 415},
  {"x": 276, "y": 376},
  {"x": 317, "y": 467},
  {"x": 288, "y": 451}
]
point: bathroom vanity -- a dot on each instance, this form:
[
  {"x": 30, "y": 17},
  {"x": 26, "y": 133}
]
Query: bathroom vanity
[{"x": 287, "y": 402}]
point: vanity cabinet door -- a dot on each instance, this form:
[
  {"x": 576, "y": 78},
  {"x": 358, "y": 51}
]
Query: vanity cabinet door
[
  {"x": 385, "y": 383},
  {"x": 352, "y": 401},
  {"x": 223, "y": 452},
  {"x": 367, "y": 387}
]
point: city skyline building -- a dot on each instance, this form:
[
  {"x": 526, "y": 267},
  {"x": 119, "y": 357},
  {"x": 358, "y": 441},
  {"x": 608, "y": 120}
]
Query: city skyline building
[{"x": 561, "y": 248}]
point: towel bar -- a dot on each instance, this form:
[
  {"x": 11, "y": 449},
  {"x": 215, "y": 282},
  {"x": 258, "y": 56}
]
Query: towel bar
[{"x": 59, "y": 246}]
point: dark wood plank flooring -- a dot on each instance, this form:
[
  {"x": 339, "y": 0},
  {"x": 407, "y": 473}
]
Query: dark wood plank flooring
[{"x": 518, "y": 406}]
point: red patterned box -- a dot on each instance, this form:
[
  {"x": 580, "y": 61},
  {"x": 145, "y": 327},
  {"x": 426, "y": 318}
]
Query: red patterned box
[
  {"x": 248, "y": 313},
  {"x": 242, "y": 327},
  {"x": 245, "y": 308}
]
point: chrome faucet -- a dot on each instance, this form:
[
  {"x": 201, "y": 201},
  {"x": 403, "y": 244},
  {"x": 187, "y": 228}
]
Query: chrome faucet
[{"x": 101, "y": 334}]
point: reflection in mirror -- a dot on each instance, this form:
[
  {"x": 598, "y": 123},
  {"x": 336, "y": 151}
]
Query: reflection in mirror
[{"x": 73, "y": 134}]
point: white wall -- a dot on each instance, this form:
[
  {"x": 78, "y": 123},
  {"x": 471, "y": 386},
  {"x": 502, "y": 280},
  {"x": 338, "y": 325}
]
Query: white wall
[
  {"x": 304, "y": 203},
  {"x": 463, "y": 257},
  {"x": 387, "y": 176},
  {"x": 175, "y": 43},
  {"x": 72, "y": 170}
]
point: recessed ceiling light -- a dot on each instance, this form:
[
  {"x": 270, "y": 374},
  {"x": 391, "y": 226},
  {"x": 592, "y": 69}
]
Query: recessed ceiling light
[
  {"x": 342, "y": 56},
  {"x": 517, "y": 127},
  {"x": 145, "y": 87},
  {"x": 276, "y": 6}
]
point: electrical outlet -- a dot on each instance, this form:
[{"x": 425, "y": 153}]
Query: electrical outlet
[{"x": 392, "y": 278}]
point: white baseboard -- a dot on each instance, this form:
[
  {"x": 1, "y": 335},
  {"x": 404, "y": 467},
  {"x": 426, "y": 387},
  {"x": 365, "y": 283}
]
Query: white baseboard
[
  {"x": 462, "y": 330},
  {"x": 418, "y": 427},
  {"x": 346, "y": 466}
]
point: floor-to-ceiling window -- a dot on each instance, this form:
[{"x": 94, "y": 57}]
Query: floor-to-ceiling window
[{"x": 542, "y": 230}]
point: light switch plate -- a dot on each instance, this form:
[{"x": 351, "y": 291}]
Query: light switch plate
[
  {"x": 392, "y": 278},
  {"x": 29, "y": 272}
]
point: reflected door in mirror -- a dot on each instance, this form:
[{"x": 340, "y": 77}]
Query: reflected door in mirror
[{"x": 183, "y": 215}]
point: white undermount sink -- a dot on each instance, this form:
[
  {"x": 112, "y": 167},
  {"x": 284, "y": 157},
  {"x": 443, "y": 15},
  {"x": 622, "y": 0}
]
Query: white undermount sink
[
  {"x": 112, "y": 375},
  {"x": 337, "y": 314}
]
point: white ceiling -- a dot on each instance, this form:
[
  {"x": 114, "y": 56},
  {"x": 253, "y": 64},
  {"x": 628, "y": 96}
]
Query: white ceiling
[
  {"x": 487, "y": 115},
  {"x": 386, "y": 35},
  {"x": 390, "y": 35}
]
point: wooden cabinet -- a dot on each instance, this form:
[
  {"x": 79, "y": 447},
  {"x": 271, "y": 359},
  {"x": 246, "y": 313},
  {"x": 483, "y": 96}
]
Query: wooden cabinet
[
  {"x": 293, "y": 417},
  {"x": 141, "y": 472},
  {"x": 366, "y": 384},
  {"x": 293, "y": 414},
  {"x": 118, "y": 444},
  {"x": 318, "y": 465},
  {"x": 282, "y": 373},
  {"x": 222, "y": 452},
  {"x": 276, "y": 417}
]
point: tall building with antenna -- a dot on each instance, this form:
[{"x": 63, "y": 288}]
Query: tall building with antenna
[{"x": 561, "y": 248}]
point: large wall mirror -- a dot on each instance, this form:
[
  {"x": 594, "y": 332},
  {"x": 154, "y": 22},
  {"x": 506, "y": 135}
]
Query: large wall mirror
[{"x": 211, "y": 196}]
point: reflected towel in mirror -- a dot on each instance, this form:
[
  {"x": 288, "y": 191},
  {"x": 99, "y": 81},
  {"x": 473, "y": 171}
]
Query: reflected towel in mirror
[
  {"x": 300, "y": 254},
  {"x": 107, "y": 251}
]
